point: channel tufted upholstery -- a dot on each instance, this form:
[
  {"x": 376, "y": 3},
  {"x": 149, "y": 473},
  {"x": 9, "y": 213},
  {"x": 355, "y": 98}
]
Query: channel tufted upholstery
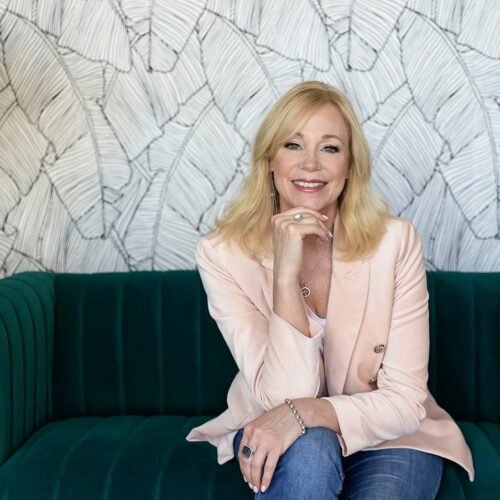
[{"x": 102, "y": 376}]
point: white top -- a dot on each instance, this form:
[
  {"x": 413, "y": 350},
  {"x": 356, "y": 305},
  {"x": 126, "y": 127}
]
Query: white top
[{"x": 321, "y": 322}]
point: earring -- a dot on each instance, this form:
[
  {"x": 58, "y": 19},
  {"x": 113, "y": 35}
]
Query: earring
[{"x": 274, "y": 194}]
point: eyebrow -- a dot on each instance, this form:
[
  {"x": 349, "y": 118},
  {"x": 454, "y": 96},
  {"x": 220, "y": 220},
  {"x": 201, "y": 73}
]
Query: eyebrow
[{"x": 324, "y": 136}]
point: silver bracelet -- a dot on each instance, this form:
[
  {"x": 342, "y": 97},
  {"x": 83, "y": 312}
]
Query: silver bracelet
[{"x": 297, "y": 416}]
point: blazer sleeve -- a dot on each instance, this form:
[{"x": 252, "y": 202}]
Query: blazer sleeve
[
  {"x": 276, "y": 360},
  {"x": 396, "y": 408}
]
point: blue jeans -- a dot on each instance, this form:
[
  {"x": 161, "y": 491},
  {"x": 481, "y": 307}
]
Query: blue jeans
[{"x": 313, "y": 467}]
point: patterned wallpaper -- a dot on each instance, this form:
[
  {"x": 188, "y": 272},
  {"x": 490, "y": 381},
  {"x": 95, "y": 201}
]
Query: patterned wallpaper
[{"x": 125, "y": 125}]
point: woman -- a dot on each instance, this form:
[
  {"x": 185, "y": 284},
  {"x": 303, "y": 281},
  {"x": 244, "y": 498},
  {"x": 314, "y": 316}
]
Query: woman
[{"x": 321, "y": 297}]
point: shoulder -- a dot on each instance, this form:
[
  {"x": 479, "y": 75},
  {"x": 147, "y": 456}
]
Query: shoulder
[
  {"x": 400, "y": 237},
  {"x": 223, "y": 253},
  {"x": 400, "y": 229}
]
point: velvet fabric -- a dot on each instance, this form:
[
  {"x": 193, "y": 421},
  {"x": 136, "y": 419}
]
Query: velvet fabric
[{"x": 102, "y": 376}]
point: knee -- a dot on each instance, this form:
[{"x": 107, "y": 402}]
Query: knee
[{"x": 316, "y": 458}]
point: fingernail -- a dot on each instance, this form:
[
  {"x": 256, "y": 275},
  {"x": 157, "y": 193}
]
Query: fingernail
[
  {"x": 330, "y": 234},
  {"x": 255, "y": 489},
  {"x": 245, "y": 479},
  {"x": 264, "y": 488},
  {"x": 251, "y": 486},
  {"x": 324, "y": 217}
]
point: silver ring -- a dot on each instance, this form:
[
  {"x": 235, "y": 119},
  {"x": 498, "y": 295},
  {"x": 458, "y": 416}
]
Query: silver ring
[
  {"x": 298, "y": 218},
  {"x": 247, "y": 451}
]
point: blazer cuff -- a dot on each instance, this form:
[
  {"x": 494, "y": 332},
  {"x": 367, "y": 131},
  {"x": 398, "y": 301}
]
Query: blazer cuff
[{"x": 350, "y": 437}]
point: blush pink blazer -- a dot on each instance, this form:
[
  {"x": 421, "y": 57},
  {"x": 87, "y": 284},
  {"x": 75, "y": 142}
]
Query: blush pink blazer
[{"x": 376, "y": 348}]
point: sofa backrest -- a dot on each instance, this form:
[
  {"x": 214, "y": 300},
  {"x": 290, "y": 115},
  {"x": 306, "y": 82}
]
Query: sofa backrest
[
  {"x": 137, "y": 343},
  {"x": 464, "y": 362},
  {"x": 144, "y": 343}
]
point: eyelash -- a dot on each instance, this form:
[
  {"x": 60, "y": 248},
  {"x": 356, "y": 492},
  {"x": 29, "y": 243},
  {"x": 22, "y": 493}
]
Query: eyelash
[{"x": 288, "y": 144}]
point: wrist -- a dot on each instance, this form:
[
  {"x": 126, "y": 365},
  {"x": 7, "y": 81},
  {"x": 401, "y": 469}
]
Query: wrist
[
  {"x": 296, "y": 416},
  {"x": 317, "y": 412}
]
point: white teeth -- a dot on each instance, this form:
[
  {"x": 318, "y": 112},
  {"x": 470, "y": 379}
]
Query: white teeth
[{"x": 309, "y": 184}]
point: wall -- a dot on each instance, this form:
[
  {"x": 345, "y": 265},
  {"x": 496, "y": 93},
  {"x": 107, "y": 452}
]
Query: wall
[{"x": 125, "y": 125}]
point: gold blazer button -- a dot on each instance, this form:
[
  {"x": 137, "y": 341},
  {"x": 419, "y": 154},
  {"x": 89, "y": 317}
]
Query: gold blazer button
[{"x": 379, "y": 348}]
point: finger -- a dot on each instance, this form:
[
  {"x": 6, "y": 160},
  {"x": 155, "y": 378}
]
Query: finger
[
  {"x": 307, "y": 229},
  {"x": 256, "y": 466},
  {"x": 308, "y": 219},
  {"x": 269, "y": 468},
  {"x": 245, "y": 465},
  {"x": 291, "y": 212},
  {"x": 245, "y": 470}
]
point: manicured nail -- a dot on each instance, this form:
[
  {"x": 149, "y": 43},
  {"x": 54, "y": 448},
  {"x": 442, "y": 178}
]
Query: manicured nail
[
  {"x": 250, "y": 485},
  {"x": 245, "y": 479},
  {"x": 264, "y": 488},
  {"x": 324, "y": 217},
  {"x": 330, "y": 234},
  {"x": 255, "y": 489}
]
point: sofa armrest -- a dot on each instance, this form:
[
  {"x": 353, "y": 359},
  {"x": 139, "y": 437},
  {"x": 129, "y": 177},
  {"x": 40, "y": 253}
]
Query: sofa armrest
[{"x": 26, "y": 348}]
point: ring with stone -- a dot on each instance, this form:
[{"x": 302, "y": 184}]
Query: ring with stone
[
  {"x": 298, "y": 218},
  {"x": 247, "y": 451}
]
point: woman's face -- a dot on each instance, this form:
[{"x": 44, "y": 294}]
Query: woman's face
[{"x": 311, "y": 167}]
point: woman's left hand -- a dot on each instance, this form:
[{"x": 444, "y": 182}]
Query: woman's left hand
[{"x": 269, "y": 435}]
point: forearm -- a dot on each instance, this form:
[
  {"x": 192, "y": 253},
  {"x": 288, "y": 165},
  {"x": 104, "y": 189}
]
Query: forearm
[
  {"x": 317, "y": 412},
  {"x": 288, "y": 304}
]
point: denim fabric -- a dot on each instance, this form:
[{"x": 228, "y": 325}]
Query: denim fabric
[{"x": 313, "y": 467}]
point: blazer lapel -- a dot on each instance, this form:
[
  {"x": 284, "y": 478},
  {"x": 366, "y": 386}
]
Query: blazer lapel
[{"x": 346, "y": 306}]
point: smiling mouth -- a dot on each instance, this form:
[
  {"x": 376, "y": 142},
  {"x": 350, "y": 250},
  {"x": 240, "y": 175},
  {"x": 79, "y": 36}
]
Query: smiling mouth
[{"x": 309, "y": 185}]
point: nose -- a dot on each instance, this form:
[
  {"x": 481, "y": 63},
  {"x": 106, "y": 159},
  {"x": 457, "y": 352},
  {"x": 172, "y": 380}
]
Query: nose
[{"x": 311, "y": 159}]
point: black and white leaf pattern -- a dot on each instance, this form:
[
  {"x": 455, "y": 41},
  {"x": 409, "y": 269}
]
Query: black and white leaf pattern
[
  {"x": 127, "y": 106},
  {"x": 248, "y": 93},
  {"x": 93, "y": 254},
  {"x": 31, "y": 223},
  {"x": 126, "y": 125},
  {"x": 182, "y": 191},
  {"x": 49, "y": 16},
  {"x": 242, "y": 13},
  {"x": 451, "y": 101},
  {"x": 397, "y": 133},
  {"x": 7, "y": 236},
  {"x": 447, "y": 14},
  {"x": 87, "y": 75},
  {"x": 486, "y": 16},
  {"x": 367, "y": 89},
  {"x": 53, "y": 102},
  {"x": 168, "y": 91},
  {"x": 23, "y": 8},
  {"x": 167, "y": 28},
  {"x": 17, "y": 262},
  {"x": 357, "y": 37},
  {"x": 296, "y": 30},
  {"x": 19, "y": 167},
  {"x": 95, "y": 30}
]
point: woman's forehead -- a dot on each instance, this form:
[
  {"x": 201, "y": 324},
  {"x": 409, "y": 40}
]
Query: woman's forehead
[{"x": 324, "y": 120}]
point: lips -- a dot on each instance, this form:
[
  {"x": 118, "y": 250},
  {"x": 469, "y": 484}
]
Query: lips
[{"x": 308, "y": 185}]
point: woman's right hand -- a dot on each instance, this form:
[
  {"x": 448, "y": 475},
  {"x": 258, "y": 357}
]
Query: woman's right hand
[{"x": 288, "y": 239}]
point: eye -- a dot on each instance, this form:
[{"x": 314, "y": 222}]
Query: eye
[
  {"x": 331, "y": 149},
  {"x": 292, "y": 146}
]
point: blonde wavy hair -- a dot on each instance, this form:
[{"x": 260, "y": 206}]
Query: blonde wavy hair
[{"x": 362, "y": 213}]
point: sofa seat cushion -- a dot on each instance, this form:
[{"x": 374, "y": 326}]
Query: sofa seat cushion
[
  {"x": 483, "y": 439},
  {"x": 136, "y": 457},
  {"x": 119, "y": 457}
]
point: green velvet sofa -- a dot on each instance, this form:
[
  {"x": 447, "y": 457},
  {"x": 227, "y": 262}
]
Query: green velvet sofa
[{"x": 103, "y": 375}]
